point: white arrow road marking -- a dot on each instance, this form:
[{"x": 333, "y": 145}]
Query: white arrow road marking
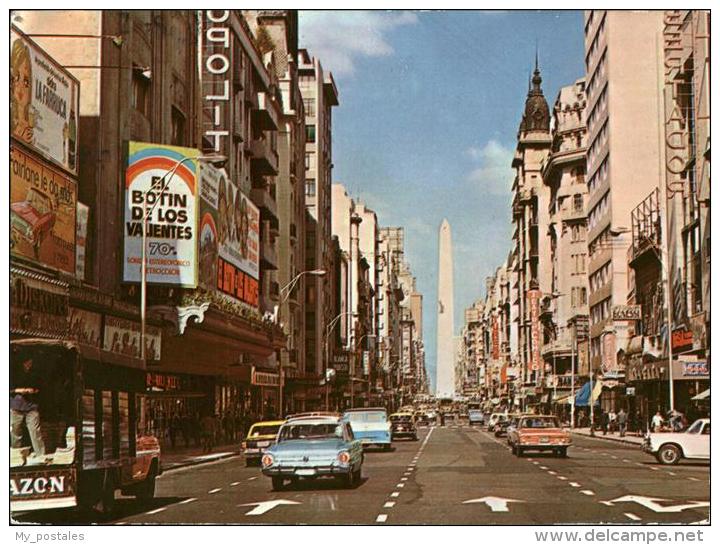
[
  {"x": 654, "y": 505},
  {"x": 631, "y": 516},
  {"x": 263, "y": 507},
  {"x": 494, "y": 503}
]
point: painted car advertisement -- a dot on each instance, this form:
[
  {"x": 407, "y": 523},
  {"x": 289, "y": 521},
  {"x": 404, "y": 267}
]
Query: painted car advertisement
[
  {"x": 161, "y": 197},
  {"x": 44, "y": 103},
  {"x": 42, "y": 212}
]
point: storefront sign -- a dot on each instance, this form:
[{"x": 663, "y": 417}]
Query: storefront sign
[
  {"x": 161, "y": 382},
  {"x": 215, "y": 70},
  {"x": 697, "y": 327},
  {"x": 340, "y": 364},
  {"x": 689, "y": 368},
  {"x": 171, "y": 227},
  {"x": 44, "y": 103},
  {"x": 123, "y": 337},
  {"x": 82, "y": 213},
  {"x": 638, "y": 371},
  {"x": 229, "y": 237},
  {"x": 682, "y": 340},
  {"x": 42, "y": 212},
  {"x": 630, "y": 391},
  {"x": 583, "y": 357},
  {"x": 366, "y": 362},
  {"x": 626, "y": 312},
  {"x": 38, "y": 308},
  {"x": 534, "y": 302},
  {"x": 261, "y": 378},
  {"x": 495, "y": 338},
  {"x": 86, "y": 327}
]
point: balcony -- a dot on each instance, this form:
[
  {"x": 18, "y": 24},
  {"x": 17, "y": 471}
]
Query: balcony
[
  {"x": 264, "y": 159},
  {"x": 264, "y": 116},
  {"x": 268, "y": 254},
  {"x": 646, "y": 230},
  {"x": 266, "y": 203}
]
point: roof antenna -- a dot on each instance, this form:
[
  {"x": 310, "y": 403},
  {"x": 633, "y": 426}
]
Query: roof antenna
[{"x": 536, "y": 54}]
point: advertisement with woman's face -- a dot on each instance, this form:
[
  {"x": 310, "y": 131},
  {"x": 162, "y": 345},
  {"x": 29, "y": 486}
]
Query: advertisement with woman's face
[{"x": 44, "y": 102}]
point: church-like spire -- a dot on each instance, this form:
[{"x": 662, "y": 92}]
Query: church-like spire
[{"x": 537, "y": 112}]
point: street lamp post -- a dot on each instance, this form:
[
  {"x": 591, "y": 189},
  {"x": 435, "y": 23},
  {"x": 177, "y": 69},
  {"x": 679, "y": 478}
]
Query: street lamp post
[
  {"x": 352, "y": 373},
  {"x": 328, "y": 330},
  {"x": 287, "y": 289},
  {"x": 162, "y": 184}
]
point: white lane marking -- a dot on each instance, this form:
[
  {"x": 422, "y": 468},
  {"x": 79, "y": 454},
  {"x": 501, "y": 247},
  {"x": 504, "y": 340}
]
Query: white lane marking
[
  {"x": 671, "y": 473},
  {"x": 381, "y": 518},
  {"x": 631, "y": 516},
  {"x": 639, "y": 464},
  {"x": 552, "y": 472},
  {"x": 389, "y": 504},
  {"x": 235, "y": 483},
  {"x": 121, "y": 523},
  {"x": 189, "y": 500},
  {"x": 404, "y": 479},
  {"x": 614, "y": 457},
  {"x": 394, "y": 494},
  {"x": 626, "y": 460},
  {"x": 562, "y": 478},
  {"x": 411, "y": 469},
  {"x": 400, "y": 485},
  {"x": 156, "y": 511},
  {"x": 574, "y": 485},
  {"x": 543, "y": 467},
  {"x": 252, "y": 478},
  {"x": 587, "y": 492},
  {"x": 654, "y": 468},
  {"x": 536, "y": 463},
  {"x": 693, "y": 479},
  {"x": 529, "y": 459},
  {"x": 214, "y": 490}
]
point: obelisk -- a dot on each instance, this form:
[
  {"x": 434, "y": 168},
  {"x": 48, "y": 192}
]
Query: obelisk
[{"x": 445, "y": 362}]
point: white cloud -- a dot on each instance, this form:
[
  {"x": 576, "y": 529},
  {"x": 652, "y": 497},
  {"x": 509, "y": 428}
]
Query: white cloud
[
  {"x": 339, "y": 38},
  {"x": 494, "y": 173}
]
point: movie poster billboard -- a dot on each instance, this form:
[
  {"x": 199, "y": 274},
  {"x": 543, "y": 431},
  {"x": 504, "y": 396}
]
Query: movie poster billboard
[
  {"x": 123, "y": 337},
  {"x": 44, "y": 103},
  {"x": 42, "y": 212},
  {"x": 163, "y": 181},
  {"x": 230, "y": 233}
]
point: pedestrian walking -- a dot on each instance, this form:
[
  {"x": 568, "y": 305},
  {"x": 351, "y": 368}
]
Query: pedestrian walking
[
  {"x": 622, "y": 422},
  {"x": 604, "y": 422},
  {"x": 208, "y": 430},
  {"x": 612, "y": 421}
]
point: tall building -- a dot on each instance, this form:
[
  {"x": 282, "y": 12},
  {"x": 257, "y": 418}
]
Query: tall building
[
  {"x": 531, "y": 246},
  {"x": 624, "y": 158},
  {"x": 320, "y": 95},
  {"x": 446, "y": 350},
  {"x": 564, "y": 173}
]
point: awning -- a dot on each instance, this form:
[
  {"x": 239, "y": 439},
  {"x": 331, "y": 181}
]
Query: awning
[
  {"x": 582, "y": 398},
  {"x": 702, "y": 395}
]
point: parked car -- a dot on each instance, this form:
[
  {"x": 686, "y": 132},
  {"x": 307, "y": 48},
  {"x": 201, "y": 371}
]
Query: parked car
[
  {"x": 403, "y": 425},
  {"x": 494, "y": 419},
  {"x": 312, "y": 447},
  {"x": 259, "y": 438},
  {"x": 502, "y": 426},
  {"x": 669, "y": 448},
  {"x": 371, "y": 426},
  {"x": 476, "y": 417},
  {"x": 541, "y": 433}
]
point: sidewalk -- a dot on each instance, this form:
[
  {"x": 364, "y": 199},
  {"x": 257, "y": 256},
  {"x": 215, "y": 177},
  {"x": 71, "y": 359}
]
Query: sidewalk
[
  {"x": 629, "y": 438},
  {"x": 187, "y": 456}
]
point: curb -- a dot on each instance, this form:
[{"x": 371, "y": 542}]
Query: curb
[
  {"x": 170, "y": 466},
  {"x": 607, "y": 438}
]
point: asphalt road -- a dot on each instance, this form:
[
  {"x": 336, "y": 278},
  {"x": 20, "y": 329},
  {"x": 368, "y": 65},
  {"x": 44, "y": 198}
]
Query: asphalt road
[{"x": 431, "y": 481}]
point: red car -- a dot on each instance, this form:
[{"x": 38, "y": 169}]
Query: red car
[
  {"x": 538, "y": 432},
  {"x": 32, "y": 219}
]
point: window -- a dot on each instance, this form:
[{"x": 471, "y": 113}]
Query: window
[
  {"x": 579, "y": 262},
  {"x": 309, "y": 105},
  {"x": 310, "y": 161},
  {"x": 310, "y": 134},
  {"x": 310, "y": 187},
  {"x": 178, "y": 127},
  {"x": 577, "y": 202},
  {"x": 140, "y": 91},
  {"x": 578, "y": 297}
]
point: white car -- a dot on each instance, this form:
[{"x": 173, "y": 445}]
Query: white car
[{"x": 692, "y": 444}]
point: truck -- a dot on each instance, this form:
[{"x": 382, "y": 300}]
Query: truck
[{"x": 90, "y": 405}]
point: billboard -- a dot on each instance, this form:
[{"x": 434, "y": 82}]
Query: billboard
[
  {"x": 123, "y": 337},
  {"x": 534, "y": 300},
  {"x": 171, "y": 241},
  {"x": 81, "y": 229},
  {"x": 42, "y": 212},
  {"x": 229, "y": 247},
  {"x": 44, "y": 103}
]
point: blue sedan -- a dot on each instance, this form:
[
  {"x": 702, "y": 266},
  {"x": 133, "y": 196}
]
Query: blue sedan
[{"x": 311, "y": 447}]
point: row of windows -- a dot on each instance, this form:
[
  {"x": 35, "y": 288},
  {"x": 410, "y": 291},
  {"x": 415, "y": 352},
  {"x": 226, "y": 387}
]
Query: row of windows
[
  {"x": 594, "y": 46},
  {"x": 601, "y": 242},
  {"x": 578, "y": 261},
  {"x": 600, "y": 277},
  {"x": 597, "y": 76},
  {"x": 598, "y": 110},
  {"x": 598, "y": 143},
  {"x": 600, "y": 312},
  {"x": 578, "y": 297},
  {"x": 599, "y": 211},
  {"x": 600, "y": 175}
]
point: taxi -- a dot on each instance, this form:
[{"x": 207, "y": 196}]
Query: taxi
[{"x": 259, "y": 438}]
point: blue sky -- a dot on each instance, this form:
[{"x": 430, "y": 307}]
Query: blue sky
[{"x": 430, "y": 104}]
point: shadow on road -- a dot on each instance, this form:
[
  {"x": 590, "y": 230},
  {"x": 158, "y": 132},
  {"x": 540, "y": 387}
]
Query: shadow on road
[{"x": 124, "y": 507}]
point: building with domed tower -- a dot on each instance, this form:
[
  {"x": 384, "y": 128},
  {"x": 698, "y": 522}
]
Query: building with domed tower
[{"x": 530, "y": 246}]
